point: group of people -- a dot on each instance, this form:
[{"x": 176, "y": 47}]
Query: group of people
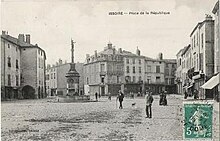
[
  {"x": 148, "y": 101},
  {"x": 148, "y": 98}
]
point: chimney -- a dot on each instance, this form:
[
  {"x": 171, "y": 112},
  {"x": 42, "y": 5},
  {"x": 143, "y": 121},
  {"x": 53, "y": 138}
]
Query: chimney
[
  {"x": 114, "y": 51},
  {"x": 109, "y": 45},
  {"x": 28, "y": 38},
  {"x": 60, "y": 62},
  {"x": 21, "y": 37},
  {"x": 160, "y": 56},
  {"x": 3, "y": 32},
  {"x": 96, "y": 55},
  {"x": 208, "y": 17},
  {"x": 138, "y": 52},
  {"x": 120, "y": 50}
]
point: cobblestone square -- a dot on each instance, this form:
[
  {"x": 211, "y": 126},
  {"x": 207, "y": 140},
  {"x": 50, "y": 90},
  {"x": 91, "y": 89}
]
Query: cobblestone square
[{"x": 46, "y": 120}]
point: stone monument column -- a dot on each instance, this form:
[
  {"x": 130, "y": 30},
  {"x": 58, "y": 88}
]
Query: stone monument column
[{"x": 72, "y": 75}]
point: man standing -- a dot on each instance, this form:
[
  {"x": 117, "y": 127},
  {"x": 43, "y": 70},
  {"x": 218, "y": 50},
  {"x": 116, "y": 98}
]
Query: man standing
[
  {"x": 96, "y": 96},
  {"x": 149, "y": 100},
  {"x": 120, "y": 98}
]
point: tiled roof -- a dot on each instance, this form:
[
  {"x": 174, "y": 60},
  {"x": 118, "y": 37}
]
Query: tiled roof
[
  {"x": 185, "y": 49},
  {"x": 20, "y": 43},
  {"x": 16, "y": 41}
]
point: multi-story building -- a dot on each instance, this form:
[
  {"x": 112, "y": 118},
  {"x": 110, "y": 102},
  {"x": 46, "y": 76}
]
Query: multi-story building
[
  {"x": 202, "y": 54},
  {"x": 10, "y": 68},
  {"x": 186, "y": 59},
  {"x": 56, "y": 82},
  {"x": 154, "y": 75},
  {"x": 103, "y": 71},
  {"x": 217, "y": 44},
  {"x": 216, "y": 38},
  {"x": 112, "y": 70},
  {"x": 178, "y": 79},
  {"x": 23, "y": 68},
  {"x": 169, "y": 75}
]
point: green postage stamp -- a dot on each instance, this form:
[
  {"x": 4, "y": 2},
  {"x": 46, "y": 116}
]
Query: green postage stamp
[{"x": 198, "y": 121}]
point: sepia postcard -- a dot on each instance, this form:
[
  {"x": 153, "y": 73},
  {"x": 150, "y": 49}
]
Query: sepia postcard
[{"x": 110, "y": 70}]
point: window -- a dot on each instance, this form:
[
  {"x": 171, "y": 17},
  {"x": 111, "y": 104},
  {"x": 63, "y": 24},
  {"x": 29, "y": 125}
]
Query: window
[
  {"x": 118, "y": 79},
  {"x": 54, "y": 76},
  {"x": 16, "y": 49},
  {"x": 102, "y": 67},
  {"x": 166, "y": 71},
  {"x": 133, "y": 69},
  {"x": 127, "y": 79},
  {"x": 167, "y": 65},
  {"x": 8, "y": 45},
  {"x": 39, "y": 63},
  {"x": 17, "y": 80},
  {"x": 51, "y": 76},
  {"x": 17, "y": 64},
  {"x": 133, "y": 60},
  {"x": 9, "y": 61},
  {"x": 148, "y": 79},
  {"x": 140, "y": 79},
  {"x": 139, "y": 61},
  {"x": 9, "y": 80},
  {"x": 47, "y": 77},
  {"x": 157, "y": 69},
  {"x": 148, "y": 68},
  {"x": 87, "y": 80},
  {"x": 166, "y": 81},
  {"x": 172, "y": 81},
  {"x": 158, "y": 79},
  {"x": 127, "y": 69},
  {"x": 202, "y": 40},
  {"x": 173, "y": 65},
  {"x": 134, "y": 79},
  {"x": 139, "y": 69},
  {"x": 127, "y": 60},
  {"x": 118, "y": 68},
  {"x": 102, "y": 79}
]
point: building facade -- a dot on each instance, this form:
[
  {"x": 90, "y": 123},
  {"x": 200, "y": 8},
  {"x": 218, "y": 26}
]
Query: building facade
[
  {"x": 170, "y": 75},
  {"x": 202, "y": 55},
  {"x": 215, "y": 11},
  {"x": 112, "y": 70},
  {"x": 178, "y": 79},
  {"x": 23, "y": 68},
  {"x": 103, "y": 72},
  {"x": 56, "y": 83},
  {"x": 10, "y": 69}
]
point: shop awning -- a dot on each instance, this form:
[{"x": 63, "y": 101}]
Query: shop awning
[{"x": 211, "y": 83}]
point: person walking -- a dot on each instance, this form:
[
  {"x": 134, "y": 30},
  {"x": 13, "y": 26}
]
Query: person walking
[
  {"x": 96, "y": 96},
  {"x": 149, "y": 100},
  {"x": 120, "y": 98},
  {"x": 109, "y": 96},
  {"x": 196, "y": 94}
]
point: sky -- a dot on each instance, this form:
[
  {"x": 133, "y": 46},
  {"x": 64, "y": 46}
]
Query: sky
[{"x": 52, "y": 24}]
